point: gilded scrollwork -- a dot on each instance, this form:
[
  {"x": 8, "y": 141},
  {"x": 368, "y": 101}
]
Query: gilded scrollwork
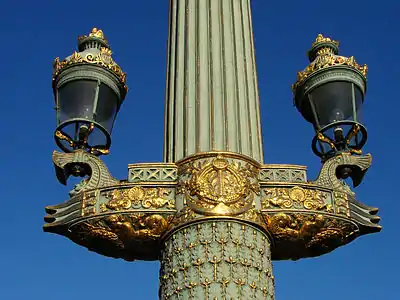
[
  {"x": 138, "y": 197},
  {"x": 295, "y": 197},
  {"x": 219, "y": 186},
  {"x": 103, "y": 58},
  {"x": 327, "y": 58},
  {"x": 299, "y": 235},
  {"x": 341, "y": 203}
]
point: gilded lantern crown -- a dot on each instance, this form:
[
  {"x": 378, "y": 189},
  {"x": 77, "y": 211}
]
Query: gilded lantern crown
[
  {"x": 94, "y": 50},
  {"x": 95, "y": 34},
  {"x": 324, "y": 54}
]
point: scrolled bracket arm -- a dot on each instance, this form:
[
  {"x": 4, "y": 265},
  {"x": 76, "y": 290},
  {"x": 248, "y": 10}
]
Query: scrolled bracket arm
[
  {"x": 80, "y": 164},
  {"x": 343, "y": 166}
]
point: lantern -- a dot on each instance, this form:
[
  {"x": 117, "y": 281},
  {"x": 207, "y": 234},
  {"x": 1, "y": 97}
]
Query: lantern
[
  {"x": 330, "y": 93},
  {"x": 89, "y": 88}
]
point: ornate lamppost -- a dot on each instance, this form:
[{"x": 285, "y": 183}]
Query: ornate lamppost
[{"x": 213, "y": 213}]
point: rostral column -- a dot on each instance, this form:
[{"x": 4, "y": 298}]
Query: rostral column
[{"x": 213, "y": 213}]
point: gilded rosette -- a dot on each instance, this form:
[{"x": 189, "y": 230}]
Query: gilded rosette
[
  {"x": 94, "y": 50},
  {"x": 324, "y": 55}
]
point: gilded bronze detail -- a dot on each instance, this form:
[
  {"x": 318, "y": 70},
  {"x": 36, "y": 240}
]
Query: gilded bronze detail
[
  {"x": 327, "y": 58},
  {"x": 129, "y": 219},
  {"x": 306, "y": 235},
  {"x": 295, "y": 197},
  {"x": 137, "y": 196},
  {"x": 97, "y": 33},
  {"x": 219, "y": 187},
  {"x": 121, "y": 235},
  {"x": 321, "y": 39},
  {"x": 103, "y": 59}
]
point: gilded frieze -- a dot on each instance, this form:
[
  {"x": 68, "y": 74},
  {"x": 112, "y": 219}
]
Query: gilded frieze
[
  {"x": 138, "y": 197},
  {"x": 295, "y": 198}
]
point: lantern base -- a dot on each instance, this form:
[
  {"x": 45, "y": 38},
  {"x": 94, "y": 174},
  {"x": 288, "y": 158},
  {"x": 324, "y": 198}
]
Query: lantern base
[
  {"x": 83, "y": 134},
  {"x": 339, "y": 137}
]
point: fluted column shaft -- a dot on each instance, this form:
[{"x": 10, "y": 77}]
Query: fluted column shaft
[{"x": 212, "y": 100}]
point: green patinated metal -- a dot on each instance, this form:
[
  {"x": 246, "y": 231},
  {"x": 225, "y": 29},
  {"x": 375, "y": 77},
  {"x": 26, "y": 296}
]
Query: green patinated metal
[
  {"x": 217, "y": 260},
  {"x": 212, "y": 212}
]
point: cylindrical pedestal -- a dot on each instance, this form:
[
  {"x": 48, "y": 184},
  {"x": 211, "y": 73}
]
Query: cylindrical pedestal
[{"x": 217, "y": 259}]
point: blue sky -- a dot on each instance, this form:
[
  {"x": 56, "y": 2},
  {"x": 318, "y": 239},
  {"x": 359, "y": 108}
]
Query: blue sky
[{"x": 35, "y": 265}]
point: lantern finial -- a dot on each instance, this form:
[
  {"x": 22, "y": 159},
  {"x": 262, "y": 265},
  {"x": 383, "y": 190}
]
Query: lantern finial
[
  {"x": 95, "y": 33},
  {"x": 321, "y": 39}
]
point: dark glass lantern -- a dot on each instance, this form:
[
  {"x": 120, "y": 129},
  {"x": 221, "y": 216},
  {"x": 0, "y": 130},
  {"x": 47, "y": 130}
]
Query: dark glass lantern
[
  {"x": 89, "y": 88},
  {"x": 329, "y": 93}
]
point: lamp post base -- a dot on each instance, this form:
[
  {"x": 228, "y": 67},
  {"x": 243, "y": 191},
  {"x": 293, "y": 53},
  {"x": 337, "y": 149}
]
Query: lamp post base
[{"x": 217, "y": 259}]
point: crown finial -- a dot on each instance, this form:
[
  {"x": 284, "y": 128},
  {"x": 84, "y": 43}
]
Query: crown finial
[
  {"x": 321, "y": 39},
  {"x": 95, "y": 33},
  {"x": 325, "y": 44},
  {"x": 95, "y": 38}
]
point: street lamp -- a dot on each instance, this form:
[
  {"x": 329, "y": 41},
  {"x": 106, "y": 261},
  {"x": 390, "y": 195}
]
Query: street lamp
[
  {"x": 89, "y": 88},
  {"x": 330, "y": 93},
  {"x": 213, "y": 213}
]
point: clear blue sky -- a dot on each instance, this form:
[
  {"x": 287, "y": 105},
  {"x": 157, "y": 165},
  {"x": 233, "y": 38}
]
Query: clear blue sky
[{"x": 36, "y": 265}]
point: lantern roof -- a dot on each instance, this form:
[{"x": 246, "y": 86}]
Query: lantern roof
[
  {"x": 324, "y": 54},
  {"x": 94, "y": 50}
]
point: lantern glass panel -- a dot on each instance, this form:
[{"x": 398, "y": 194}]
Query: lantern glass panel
[
  {"x": 107, "y": 107},
  {"x": 76, "y": 100},
  {"x": 359, "y": 99},
  {"x": 333, "y": 102}
]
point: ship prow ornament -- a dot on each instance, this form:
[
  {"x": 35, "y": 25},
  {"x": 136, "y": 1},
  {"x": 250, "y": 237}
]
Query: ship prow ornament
[{"x": 213, "y": 212}]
